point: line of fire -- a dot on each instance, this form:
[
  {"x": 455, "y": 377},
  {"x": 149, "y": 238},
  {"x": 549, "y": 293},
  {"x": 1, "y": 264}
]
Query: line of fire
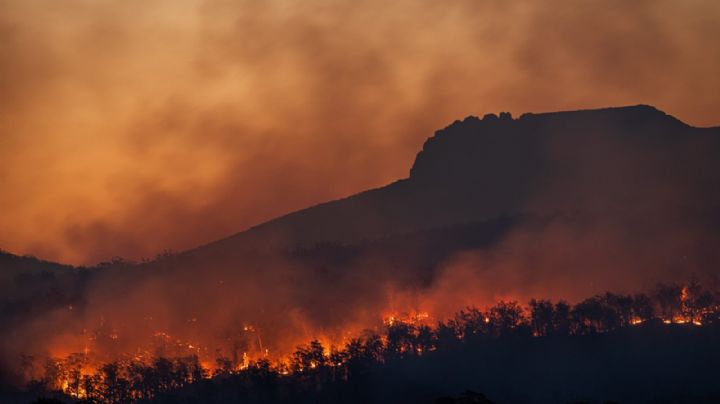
[{"x": 167, "y": 363}]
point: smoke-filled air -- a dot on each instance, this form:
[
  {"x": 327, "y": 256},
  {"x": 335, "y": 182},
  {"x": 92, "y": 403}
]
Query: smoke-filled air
[
  {"x": 129, "y": 128},
  {"x": 341, "y": 201}
]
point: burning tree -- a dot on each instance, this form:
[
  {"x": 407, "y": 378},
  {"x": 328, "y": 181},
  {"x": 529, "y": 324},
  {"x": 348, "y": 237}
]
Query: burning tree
[{"x": 315, "y": 365}]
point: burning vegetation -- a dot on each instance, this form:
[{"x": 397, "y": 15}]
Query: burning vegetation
[{"x": 169, "y": 363}]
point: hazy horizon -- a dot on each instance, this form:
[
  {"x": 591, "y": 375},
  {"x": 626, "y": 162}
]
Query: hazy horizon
[{"x": 132, "y": 128}]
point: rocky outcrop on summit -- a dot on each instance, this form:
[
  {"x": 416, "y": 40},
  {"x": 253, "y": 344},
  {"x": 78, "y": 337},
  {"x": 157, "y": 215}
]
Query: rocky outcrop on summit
[{"x": 492, "y": 142}]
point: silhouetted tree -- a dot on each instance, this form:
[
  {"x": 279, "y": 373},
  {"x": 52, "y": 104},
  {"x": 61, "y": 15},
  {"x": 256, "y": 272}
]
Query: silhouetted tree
[
  {"x": 337, "y": 361},
  {"x": 561, "y": 318},
  {"x": 698, "y": 303},
  {"x": 618, "y": 310},
  {"x": 115, "y": 387},
  {"x": 669, "y": 298},
  {"x": 542, "y": 314},
  {"x": 447, "y": 335},
  {"x": 310, "y": 356},
  {"x": 642, "y": 307},
  {"x": 374, "y": 348},
  {"x": 425, "y": 340},
  {"x": 506, "y": 318},
  {"x": 588, "y": 316},
  {"x": 470, "y": 323},
  {"x": 400, "y": 340}
]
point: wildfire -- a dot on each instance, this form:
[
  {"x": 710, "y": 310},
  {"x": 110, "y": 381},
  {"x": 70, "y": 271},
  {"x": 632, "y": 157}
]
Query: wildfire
[
  {"x": 245, "y": 361},
  {"x": 402, "y": 333},
  {"x": 76, "y": 381},
  {"x": 416, "y": 317}
]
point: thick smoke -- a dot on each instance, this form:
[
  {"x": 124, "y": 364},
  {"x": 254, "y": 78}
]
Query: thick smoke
[{"x": 131, "y": 128}]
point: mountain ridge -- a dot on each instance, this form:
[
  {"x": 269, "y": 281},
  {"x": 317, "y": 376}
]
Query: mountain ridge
[
  {"x": 458, "y": 155},
  {"x": 448, "y": 161}
]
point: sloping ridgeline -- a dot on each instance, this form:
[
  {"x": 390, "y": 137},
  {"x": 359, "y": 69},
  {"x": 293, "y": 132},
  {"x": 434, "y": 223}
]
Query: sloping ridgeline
[{"x": 476, "y": 170}]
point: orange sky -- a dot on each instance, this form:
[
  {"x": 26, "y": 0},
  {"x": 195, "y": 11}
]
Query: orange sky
[{"x": 131, "y": 127}]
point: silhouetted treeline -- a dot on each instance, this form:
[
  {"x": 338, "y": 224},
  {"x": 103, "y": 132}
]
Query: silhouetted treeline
[{"x": 672, "y": 319}]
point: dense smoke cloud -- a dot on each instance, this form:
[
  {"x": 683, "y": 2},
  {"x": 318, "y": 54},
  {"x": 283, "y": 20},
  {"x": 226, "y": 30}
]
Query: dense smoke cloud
[
  {"x": 609, "y": 200},
  {"x": 129, "y": 128}
]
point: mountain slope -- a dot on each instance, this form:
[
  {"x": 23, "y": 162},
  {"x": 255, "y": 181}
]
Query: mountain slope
[
  {"x": 632, "y": 159},
  {"x": 561, "y": 205}
]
